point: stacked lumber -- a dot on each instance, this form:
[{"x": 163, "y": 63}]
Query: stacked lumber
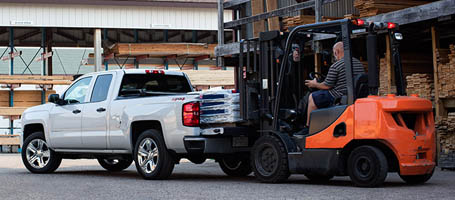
[
  {"x": 420, "y": 84},
  {"x": 446, "y": 71},
  {"x": 35, "y": 80},
  {"x": 162, "y": 49},
  {"x": 205, "y": 79},
  {"x": 446, "y": 130},
  {"x": 384, "y": 78},
  {"x": 374, "y": 7},
  {"x": 412, "y": 63},
  {"x": 297, "y": 20}
]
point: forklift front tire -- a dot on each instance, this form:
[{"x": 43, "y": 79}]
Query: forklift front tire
[
  {"x": 367, "y": 166},
  {"x": 269, "y": 160}
]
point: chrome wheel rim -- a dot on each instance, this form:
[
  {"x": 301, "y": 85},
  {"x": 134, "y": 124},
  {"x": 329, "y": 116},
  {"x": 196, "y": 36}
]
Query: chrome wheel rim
[
  {"x": 38, "y": 153},
  {"x": 148, "y": 155}
]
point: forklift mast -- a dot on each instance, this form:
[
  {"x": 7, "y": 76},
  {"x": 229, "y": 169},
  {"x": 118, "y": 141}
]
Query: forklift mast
[{"x": 265, "y": 61}]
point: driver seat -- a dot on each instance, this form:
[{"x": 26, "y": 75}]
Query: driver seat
[{"x": 361, "y": 85}]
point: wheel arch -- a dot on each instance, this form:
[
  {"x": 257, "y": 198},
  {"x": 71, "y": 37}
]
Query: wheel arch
[
  {"x": 392, "y": 160},
  {"x": 32, "y": 128},
  {"x": 138, "y": 127}
]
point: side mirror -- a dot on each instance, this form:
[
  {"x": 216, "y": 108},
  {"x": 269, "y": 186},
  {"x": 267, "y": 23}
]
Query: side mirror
[{"x": 53, "y": 98}]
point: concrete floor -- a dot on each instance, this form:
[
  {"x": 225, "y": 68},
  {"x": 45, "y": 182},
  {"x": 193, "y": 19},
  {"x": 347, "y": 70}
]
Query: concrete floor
[{"x": 85, "y": 179}]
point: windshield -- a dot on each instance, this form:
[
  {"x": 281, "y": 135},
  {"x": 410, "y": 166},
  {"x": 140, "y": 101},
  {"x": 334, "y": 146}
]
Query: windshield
[{"x": 134, "y": 84}]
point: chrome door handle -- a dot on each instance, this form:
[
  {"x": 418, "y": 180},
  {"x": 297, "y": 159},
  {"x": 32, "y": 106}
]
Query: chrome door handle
[
  {"x": 76, "y": 111},
  {"x": 101, "y": 109}
]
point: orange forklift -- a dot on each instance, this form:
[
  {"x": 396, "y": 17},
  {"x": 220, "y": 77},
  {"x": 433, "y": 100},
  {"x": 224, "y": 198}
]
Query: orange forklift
[{"x": 363, "y": 136}]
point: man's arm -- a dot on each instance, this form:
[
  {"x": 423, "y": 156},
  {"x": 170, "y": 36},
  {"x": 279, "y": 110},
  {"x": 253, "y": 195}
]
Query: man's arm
[{"x": 314, "y": 84}]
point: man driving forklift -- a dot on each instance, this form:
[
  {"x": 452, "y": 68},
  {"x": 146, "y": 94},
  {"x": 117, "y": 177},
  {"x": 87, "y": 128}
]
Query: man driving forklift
[{"x": 334, "y": 85}]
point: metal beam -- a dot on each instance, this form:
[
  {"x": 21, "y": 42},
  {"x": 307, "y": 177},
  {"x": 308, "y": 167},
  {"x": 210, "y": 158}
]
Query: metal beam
[
  {"x": 67, "y": 36},
  {"x": 27, "y": 35},
  {"x": 233, "y": 3},
  {"x": 221, "y": 26},
  {"x": 275, "y": 13},
  {"x": 418, "y": 13},
  {"x": 97, "y": 46},
  {"x": 11, "y": 45}
]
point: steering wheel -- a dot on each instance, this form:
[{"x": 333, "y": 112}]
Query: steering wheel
[{"x": 319, "y": 77}]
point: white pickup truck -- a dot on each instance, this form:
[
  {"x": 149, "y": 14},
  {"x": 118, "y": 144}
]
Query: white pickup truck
[{"x": 149, "y": 116}]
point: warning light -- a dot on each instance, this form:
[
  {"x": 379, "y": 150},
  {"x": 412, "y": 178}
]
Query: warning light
[
  {"x": 391, "y": 25},
  {"x": 358, "y": 22}
]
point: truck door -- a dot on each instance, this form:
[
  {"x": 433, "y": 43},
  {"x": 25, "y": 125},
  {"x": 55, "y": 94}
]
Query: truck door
[
  {"x": 94, "y": 114},
  {"x": 66, "y": 119}
]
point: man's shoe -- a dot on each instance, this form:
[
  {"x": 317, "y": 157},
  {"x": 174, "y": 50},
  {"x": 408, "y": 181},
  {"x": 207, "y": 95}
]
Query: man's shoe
[{"x": 304, "y": 131}]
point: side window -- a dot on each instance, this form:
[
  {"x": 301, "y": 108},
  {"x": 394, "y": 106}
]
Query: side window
[
  {"x": 101, "y": 88},
  {"x": 78, "y": 91}
]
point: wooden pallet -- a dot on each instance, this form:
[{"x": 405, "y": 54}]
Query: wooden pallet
[{"x": 9, "y": 140}]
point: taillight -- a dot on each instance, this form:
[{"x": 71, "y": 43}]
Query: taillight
[
  {"x": 191, "y": 113},
  {"x": 358, "y": 22},
  {"x": 391, "y": 25}
]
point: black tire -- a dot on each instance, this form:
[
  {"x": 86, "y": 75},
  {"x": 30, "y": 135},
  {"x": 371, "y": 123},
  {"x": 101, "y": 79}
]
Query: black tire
[
  {"x": 417, "y": 179},
  {"x": 317, "y": 178},
  {"x": 41, "y": 155},
  {"x": 269, "y": 160},
  {"x": 367, "y": 166},
  {"x": 236, "y": 167},
  {"x": 164, "y": 161},
  {"x": 115, "y": 165}
]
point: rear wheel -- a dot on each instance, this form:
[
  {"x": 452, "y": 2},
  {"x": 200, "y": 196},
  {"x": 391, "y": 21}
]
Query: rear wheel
[
  {"x": 417, "y": 179},
  {"x": 115, "y": 165},
  {"x": 153, "y": 160},
  {"x": 367, "y": 166},
  {"x": 269, "y": 160},
  {"x": 37, "y": 156},
  {"x": 236, "y": 167}
]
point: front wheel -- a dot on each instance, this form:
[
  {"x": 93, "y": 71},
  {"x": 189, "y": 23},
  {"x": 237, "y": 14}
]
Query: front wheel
[
  {"x": 417, "y": 179},
  {"x": 37, "y": 156},
  {"x": 367, "y": 166},
  {"x": 153, "y": 160},
  {"x": 115, "y": 165},
  {"x": 236, "y": 167},
  {"x": 269, "y": 160}
]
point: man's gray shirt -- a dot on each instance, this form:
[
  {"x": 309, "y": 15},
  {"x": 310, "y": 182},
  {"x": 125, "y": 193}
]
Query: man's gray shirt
[{"x": 336, "y": 78}]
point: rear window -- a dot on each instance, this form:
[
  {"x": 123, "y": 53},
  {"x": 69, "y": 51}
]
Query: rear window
[{"x": 134, "y": 84}]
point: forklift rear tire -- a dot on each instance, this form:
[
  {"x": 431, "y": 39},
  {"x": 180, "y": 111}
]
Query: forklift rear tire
[
  {"x": 367, "y": 166},
  {"x": 269, "y": 160},
  {"x": 236, "y": 167},
  {"x": 417, "y": 179}
]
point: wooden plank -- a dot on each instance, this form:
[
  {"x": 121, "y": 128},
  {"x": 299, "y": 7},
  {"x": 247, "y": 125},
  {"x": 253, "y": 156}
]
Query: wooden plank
[
  {"x": 211, "y": 77},
  {"x": 9, "y": 141},
  {"x": 35, "y": 77},
  {"x": 388, "y": 57},
  {"x": 435, "y": 46},
  {"x": 257, "y": 7},
  {"x": 163, "y": 49},
  {"x": 274, "y": 22},
  {"x": 36, "y": 82},
  {"x": 11, "y": 111}
]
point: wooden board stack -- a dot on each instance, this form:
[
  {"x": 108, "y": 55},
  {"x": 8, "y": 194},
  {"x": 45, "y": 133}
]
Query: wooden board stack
[
  {"x": 297, "y": 20},
  {"x": 446, "y": 70},
  {"x": 374, "y": 7},
  {"x": 384, "y": 78},
  {"x": 446, "y": 129},
  {"x": 420, "y": 84}
]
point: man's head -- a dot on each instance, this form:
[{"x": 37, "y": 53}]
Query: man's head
[
  {"x": 338, "y": 50},
  {"x": 295, "y": 52}
]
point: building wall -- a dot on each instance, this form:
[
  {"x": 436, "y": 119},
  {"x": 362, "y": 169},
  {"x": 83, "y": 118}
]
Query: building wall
[{"x": 94, "y": 16}]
